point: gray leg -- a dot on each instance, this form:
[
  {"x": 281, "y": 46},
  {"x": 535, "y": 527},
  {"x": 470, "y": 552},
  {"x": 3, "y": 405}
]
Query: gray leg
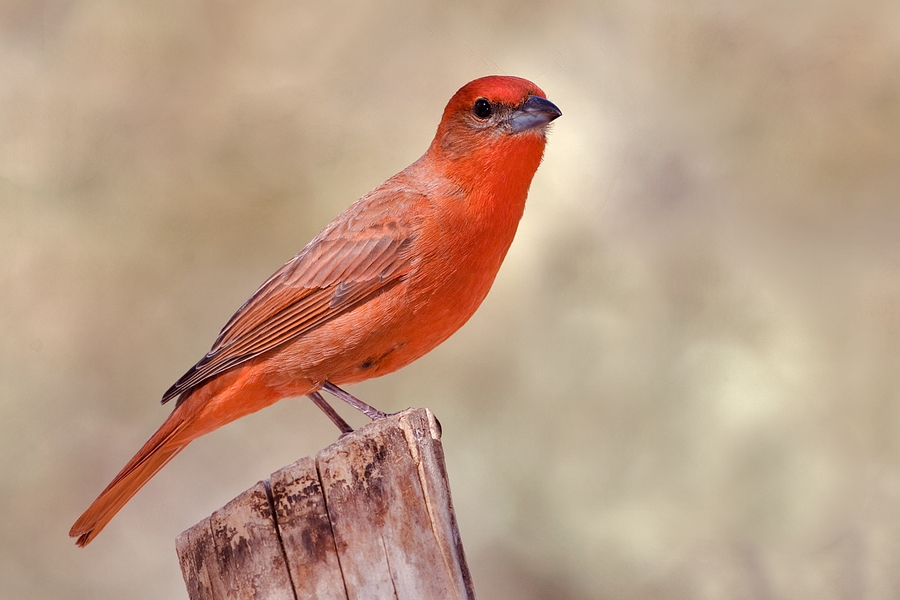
[
  {"x": 319, "y": 401},
  {"x": 369, "y": 411}
]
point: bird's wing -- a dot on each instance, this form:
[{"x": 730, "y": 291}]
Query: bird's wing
[{"x": 358, "y": 256}]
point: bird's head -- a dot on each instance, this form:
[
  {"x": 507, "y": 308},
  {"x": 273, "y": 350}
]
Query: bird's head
[{"x": 495, "y": 117}]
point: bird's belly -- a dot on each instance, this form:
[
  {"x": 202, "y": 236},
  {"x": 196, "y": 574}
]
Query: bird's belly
[{"x": 379, "y": 336}]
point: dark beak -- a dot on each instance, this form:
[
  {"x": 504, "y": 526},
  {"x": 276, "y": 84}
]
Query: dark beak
[{"x": 534, "y": 112}]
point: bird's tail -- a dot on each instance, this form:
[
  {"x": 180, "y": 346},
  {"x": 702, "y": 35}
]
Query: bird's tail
[
  {"x": 227, "y": 397},
  {"x": 153, "y": 456}
]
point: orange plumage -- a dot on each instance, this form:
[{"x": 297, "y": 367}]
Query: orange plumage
[{"x": 388, "y": 280}]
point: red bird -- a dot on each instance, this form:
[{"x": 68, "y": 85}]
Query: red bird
[{"x": 383, "y": 284}]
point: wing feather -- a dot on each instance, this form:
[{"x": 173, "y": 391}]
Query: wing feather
[{"x": 352, "y": 260}]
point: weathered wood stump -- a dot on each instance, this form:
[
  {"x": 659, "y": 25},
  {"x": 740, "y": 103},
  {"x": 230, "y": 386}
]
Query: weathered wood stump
[{"x": 369, "y": 517}]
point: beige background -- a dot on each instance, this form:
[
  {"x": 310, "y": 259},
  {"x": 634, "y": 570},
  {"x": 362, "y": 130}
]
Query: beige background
[{"x": 683, "y": 385}]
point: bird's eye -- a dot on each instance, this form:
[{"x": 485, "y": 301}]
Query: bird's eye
[{"x": 482, "y": 108}]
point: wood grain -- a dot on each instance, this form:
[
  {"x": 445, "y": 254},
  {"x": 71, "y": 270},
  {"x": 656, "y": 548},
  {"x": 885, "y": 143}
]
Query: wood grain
[{"x": 369, "y": 517}]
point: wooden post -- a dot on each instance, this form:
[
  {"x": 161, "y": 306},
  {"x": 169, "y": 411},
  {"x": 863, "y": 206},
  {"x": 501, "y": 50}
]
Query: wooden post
[{"x": 369, "y": 517}]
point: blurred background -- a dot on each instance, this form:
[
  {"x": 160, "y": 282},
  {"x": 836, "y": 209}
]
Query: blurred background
[{"x": 684, "y": 383}]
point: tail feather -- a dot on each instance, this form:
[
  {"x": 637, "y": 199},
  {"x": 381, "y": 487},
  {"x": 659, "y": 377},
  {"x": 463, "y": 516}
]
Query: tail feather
[
  {"x": 153, "y": 456},
  {"x": 226, "y": 398}
]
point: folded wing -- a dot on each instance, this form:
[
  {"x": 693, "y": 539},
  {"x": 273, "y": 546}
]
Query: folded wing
[{"x": 356, "y": 258}]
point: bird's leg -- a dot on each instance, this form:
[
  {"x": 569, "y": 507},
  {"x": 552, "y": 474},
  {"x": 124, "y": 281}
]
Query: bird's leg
[
  {"x": 326, "y": 408},
  {"x": 369, "y": 411}
]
